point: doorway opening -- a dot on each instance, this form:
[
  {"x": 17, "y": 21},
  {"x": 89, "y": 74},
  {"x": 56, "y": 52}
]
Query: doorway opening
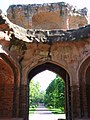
[
  {"x": 47, "y": 96},
  {"x": 66, "y": 80}
]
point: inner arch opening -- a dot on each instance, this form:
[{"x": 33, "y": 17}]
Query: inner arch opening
[{"x": 63, "y": 74}]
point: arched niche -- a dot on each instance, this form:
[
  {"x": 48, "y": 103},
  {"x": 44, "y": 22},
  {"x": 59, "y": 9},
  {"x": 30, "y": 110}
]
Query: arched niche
[
  {"x": 87, "y": 77},
  {"x": 6, "y": 89},
  {"x": 9, "y": 84},
  {"x": 84, "y": 82},
  {"x": 63, "y": 74}
]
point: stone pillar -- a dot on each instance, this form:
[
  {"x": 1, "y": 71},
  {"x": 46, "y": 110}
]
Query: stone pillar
[
  {"x": 23, "y": 102},
  {"x": 75, "y": 101},
  {"x": 83, "y": 97},
  {"x": 68, "y": 99},
  {"x": 16, "y": 101},
  {"x": 88, "y": 100},
  {"x": 84, "y": 100}
]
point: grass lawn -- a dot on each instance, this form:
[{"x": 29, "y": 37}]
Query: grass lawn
[
  {"x": 56, "y": 111},
  {"x": 32, "y": 110}
]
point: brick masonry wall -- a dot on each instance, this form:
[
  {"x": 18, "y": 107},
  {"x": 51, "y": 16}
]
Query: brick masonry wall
[{"x": 6, "y": 90}]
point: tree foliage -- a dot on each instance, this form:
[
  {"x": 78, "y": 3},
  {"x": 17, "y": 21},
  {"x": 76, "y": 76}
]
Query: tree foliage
[
  {"x": 35, "y": 94},
  {"x": 54, "y": 96}
]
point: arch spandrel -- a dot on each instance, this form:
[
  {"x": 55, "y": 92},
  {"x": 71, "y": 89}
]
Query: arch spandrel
[{"x": 48, "y": 65}]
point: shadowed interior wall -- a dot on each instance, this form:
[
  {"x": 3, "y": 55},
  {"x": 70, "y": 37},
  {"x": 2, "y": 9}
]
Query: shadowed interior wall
[
  {"x": 6, "y": 89},
  {"x": 84, "y": 81},
  {"x": 88, "y": 89}
]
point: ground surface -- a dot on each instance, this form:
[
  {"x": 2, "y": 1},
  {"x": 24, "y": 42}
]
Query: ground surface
[{"x": 43, "y": 113}]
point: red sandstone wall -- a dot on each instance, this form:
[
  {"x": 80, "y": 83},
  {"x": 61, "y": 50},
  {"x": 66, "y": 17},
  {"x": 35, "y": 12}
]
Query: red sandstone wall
[
  {"x": 47, "y": 20},
  {"x": 46, "y": 16},
  {"x": 76, "y": 21},
  {"x": 6, "y": 89}
]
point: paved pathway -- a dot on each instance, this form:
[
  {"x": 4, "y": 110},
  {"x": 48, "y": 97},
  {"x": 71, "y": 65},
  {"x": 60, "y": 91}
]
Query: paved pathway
[{"x": 43, "y": 113}]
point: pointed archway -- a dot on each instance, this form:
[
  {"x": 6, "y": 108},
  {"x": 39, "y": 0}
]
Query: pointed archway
[
  {"x": 63, "y": 74},
  {"x": 84, "y": 82},
  {"x": 9, "y": 84},
  {"x": 87, "y": 77}
]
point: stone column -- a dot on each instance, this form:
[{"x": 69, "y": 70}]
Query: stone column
[
  {"x": 75, "y": 101},
  {"x": 16, "y": 101},
  {"x": 84, "y": 100},
  {"x": 16, "y": 92},
  {"x": 23, "y": 102},
  {"x": 68, "y": 99}
]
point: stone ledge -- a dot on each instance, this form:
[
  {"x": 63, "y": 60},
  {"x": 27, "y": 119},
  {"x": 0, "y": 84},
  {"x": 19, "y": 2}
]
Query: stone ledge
[{"x": 15, "y": 32}]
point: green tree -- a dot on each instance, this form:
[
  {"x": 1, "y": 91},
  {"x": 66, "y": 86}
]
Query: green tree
[
  {"x": 41, "y": 96},
  {"x": 34, "y": 92},
  {"x": 36, "y": 95},
  {"x": 54, "y": 96}
]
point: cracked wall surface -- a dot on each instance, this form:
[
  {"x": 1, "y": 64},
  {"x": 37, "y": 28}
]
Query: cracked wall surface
[
  {"x": 24, "y": 50},
  {"x": 59, "y": 15}
]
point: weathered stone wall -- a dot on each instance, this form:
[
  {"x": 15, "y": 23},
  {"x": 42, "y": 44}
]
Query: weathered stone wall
[
  {"x": 47, "y": 16},
  {"x": 28, "y": 49},
  {"x": 6, "y": 89}
]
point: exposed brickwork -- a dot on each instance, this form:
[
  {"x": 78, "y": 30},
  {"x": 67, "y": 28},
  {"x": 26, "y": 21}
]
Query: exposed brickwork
[{"x": 6, "y": 90}]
